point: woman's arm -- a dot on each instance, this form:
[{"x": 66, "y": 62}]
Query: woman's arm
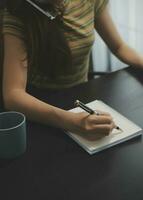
[
  {"x": 14, "y": 85},
  {"x": 16, "y": 98},
  {"x": 106, "y": 28}
]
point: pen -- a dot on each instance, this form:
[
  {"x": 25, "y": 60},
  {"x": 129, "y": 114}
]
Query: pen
[
  {"x": 89, "y": 110},
  {"x": 84, "y": 107}
]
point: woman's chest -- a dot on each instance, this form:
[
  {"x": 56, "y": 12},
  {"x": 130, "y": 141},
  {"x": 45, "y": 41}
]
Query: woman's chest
[{"x": 78, "y": 23}]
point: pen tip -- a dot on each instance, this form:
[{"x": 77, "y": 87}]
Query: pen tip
[{"x": 118, "y": 128}]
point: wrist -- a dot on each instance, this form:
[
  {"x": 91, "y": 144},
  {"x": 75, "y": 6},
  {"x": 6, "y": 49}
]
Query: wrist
[{"x": 62, "y": 118}]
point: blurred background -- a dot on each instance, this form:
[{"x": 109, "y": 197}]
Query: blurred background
[{"x": 128, "y": 17}]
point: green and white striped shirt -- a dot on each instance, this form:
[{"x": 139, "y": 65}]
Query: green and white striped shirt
[{"x": 78, "y": 27}]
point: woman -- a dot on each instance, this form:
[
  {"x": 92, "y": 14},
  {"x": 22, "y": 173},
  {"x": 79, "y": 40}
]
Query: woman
[{"x": 55, "y": 54}]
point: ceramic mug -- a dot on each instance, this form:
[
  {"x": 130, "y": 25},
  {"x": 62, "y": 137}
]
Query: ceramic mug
[{"x": 12, "y": 134}]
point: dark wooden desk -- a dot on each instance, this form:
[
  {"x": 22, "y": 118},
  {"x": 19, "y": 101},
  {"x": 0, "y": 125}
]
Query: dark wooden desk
[{"x": 56, "y": 168}]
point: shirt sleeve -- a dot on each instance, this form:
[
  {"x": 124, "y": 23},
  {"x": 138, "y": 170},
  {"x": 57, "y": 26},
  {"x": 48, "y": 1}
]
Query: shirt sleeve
[
  {"x": 99, "y": 6},
  {"x": 12, "y": 25}
]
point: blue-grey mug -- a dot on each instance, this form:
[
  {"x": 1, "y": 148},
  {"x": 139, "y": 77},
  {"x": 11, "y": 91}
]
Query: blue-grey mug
[{"x": 12, "y": 134}]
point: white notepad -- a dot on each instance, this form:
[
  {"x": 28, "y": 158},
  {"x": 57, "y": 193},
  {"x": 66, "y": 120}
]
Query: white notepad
[{"x": 129, "y": 130}]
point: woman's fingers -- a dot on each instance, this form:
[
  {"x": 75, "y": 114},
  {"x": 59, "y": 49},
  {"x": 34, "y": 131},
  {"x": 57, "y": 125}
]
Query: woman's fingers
[
  {"x": 101, "y": 119},
  {"x": 102, "y": 124},
  {"x": 104, "y": 129},
  {"x": 101, "y": 129},
  {"x": 100, "y": 112},
  {"x": 99, "y": 132}
]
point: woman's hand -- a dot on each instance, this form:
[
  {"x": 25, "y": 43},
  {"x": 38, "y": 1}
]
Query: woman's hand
[{"x": 93, "y": 126}]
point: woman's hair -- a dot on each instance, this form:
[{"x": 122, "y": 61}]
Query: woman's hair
[{"x": 46, "y": 45}]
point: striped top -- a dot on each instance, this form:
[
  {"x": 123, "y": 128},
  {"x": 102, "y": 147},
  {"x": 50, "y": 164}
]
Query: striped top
[{"x": 78, "y": 26}]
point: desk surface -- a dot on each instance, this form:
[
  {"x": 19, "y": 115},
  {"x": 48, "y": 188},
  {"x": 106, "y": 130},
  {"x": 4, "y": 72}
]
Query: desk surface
[{"x": 55, "y": 167}]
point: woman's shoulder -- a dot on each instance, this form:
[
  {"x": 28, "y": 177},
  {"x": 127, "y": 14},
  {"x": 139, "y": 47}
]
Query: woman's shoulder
[
  {"x": 11, "y": 24},
  {"x": 10, "y": 18},
  {"x": 99, "y": 6}
]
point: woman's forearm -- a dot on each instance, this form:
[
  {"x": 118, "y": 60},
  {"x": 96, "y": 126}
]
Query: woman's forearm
[
  {"x": 36, "y": 110},
  {"x": 129, "y": 56}
]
